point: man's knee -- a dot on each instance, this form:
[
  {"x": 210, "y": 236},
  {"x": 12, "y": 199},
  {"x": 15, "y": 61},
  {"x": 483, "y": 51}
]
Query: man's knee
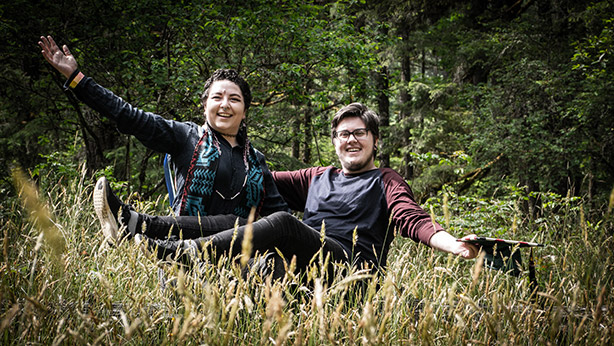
[{"x": 281, "y": 218}]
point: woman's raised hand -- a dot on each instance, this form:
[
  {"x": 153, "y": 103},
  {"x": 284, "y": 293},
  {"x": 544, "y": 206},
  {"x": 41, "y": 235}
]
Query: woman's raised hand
[{"x": 61, "y": 60}]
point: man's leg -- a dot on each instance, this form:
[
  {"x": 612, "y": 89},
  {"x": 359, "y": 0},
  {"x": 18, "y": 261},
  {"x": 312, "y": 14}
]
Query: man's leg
[{"x": 280, "y": 231}]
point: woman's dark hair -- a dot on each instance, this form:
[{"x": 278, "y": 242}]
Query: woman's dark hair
[
  {"x": 233, "y": 76},
  {"x": 358, "y": 110}
]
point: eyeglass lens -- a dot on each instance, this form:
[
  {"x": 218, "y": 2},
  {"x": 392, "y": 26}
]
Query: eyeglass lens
[{"x": 358, "y": 133}]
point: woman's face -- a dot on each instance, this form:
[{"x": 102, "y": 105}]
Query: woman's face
[{"x": 225, "y": 108}]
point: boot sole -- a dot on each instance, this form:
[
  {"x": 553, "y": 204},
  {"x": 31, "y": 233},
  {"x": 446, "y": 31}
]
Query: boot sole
[{"x": 103, "y": 211}]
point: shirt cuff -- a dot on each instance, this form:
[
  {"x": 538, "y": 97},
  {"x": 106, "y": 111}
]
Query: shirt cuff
[{"x": 74, "y": 79}]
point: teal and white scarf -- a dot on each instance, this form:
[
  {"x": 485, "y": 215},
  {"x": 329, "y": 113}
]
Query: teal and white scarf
[{"x": 199, "y": 185}]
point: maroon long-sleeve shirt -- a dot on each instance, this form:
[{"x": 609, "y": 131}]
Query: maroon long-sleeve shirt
[{"x": 369, "y": 205}]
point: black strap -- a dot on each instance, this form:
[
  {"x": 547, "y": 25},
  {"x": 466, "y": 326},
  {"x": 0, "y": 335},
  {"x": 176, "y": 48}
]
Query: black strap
[{"x": 532, "y": 279}]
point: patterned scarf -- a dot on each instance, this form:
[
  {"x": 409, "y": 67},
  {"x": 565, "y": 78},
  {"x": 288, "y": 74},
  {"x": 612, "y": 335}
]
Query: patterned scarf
[{"x": 199, "y": 185}]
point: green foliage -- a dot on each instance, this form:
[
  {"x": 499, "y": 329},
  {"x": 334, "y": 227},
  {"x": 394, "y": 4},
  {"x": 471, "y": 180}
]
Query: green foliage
[
  {"x": 437, "y": 170},
  {"x": 591, "y": 108},
  {"x": 527, "y": 82},
  {"x": 519, "y": 94}
]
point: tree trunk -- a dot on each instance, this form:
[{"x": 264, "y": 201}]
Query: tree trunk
[
  {"x": 308, "y": 134},
  {"x": 532, "y": 204},
  {"x": 296, "y": 143},
  {"x": 98, "y": 137},
  {"x": 383, "y": 108},
  {"x": 405, "y": 99},
  {"x": 423, "y": 63}
]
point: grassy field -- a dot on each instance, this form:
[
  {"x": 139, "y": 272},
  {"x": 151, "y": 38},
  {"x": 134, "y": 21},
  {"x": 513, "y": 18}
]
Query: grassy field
[{"x": 61, "y": 283}]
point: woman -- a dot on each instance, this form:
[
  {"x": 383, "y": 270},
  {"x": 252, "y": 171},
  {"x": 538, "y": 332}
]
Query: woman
[{"x": 217, "y": 169}]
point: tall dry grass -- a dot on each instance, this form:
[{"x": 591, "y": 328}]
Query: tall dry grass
[{"x": 86, "y": 291}]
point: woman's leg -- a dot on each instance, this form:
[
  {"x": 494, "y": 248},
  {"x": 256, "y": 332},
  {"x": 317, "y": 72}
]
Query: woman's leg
[
  {"x": 186, "y": 227},
  {"x": 119, "y": 220}
]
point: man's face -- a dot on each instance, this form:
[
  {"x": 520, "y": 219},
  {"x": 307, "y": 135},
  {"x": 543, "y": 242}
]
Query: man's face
[
  {"x": 225, "y": 107},
  {"x": 355, "y": 154}
]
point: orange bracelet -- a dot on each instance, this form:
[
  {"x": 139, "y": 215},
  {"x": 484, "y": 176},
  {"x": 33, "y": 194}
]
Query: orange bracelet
[{"x": 76, "y": 80}]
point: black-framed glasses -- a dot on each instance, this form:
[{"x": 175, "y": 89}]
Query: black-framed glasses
[{"x": 360, "y": 133}]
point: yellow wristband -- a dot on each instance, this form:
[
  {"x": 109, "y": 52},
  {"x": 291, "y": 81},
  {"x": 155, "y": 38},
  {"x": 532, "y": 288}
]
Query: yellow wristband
[{"x": 76, "y": 80}]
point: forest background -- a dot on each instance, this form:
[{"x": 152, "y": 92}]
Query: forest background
[
  {"x": 501, "y": 110},
  {"x": 490, "y": 91}
]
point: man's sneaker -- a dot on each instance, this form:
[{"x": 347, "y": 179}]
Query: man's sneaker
[
  {"x": 184, "y": 251},
  {"x": 107, "y": 207}
]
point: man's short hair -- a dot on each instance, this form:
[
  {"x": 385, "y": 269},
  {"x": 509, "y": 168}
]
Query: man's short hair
[
  {"x": 233, "y": 76},
  {"x": 358, "y": 110}
]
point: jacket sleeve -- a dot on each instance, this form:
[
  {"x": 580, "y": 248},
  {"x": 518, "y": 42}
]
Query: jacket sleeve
[
  {"x": 410, "y": 219},
  {"x": 272, "y": 199},
  {"x": 152, "y": 130}
]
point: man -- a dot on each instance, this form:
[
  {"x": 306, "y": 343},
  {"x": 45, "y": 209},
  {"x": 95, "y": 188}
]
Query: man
[{"x": 357, "y": 207}]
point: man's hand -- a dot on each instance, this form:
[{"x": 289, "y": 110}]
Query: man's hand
[
  {"x": 467, "y": 250},
  {"x": 443, "y": 241},
  {"x": 61, "y": 60}
]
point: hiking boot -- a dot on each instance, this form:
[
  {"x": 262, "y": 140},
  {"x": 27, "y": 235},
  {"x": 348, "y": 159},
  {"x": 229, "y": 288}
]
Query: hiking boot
[
  {"x": 111, "y": 212},
  {"x": 265, "y": 265},
  {"x": 183, "y": 251}
]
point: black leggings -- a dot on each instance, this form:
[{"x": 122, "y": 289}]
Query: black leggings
[
  {"x": 277, "y": 232},
  {"x": 188, "y": 227}
]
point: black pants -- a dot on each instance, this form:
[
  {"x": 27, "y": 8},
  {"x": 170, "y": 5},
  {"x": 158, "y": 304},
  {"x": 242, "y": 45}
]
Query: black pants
[
  {"x": 188, "y": 227},
  {"x": 215, "y": 235}
]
